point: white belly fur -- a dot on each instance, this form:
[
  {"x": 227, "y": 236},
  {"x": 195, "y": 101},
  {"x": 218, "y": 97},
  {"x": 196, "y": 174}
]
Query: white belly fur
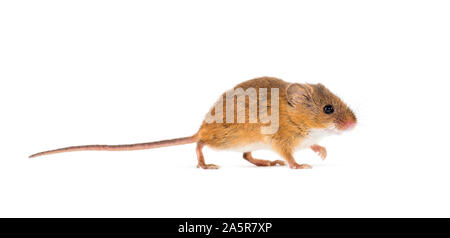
[
  {"x": 251, "y": 147},
  {"x": 314, "y": 137}
]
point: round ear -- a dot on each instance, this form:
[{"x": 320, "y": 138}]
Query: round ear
[{"x": 297, "y": 93}]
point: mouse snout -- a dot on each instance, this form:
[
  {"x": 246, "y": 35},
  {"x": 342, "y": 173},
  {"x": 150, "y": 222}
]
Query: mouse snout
[{"x": 347, "y": 124}]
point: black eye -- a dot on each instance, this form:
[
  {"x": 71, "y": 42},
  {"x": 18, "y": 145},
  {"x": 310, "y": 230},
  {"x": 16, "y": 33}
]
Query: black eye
[{"x": 328, "y": 109}]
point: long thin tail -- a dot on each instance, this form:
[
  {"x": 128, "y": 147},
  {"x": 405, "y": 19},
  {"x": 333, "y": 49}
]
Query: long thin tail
[{"x": 139, "y": 146}]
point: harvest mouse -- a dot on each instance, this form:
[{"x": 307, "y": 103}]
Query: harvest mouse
[{"x": 300, "y": 115}]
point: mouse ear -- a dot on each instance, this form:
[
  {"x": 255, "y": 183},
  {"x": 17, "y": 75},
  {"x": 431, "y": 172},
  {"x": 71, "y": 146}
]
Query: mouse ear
[{"x": 297, "y": 93}]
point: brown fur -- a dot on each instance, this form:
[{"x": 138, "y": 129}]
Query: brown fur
[
  {"x": 300, "y": 109},
  {"x": 295, "y": 119}
]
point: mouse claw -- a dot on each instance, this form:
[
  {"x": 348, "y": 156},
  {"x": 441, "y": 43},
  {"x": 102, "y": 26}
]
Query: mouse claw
[
  {"x": 300, "y": 166},
  {"x": 322, "y": 151},
  {"x": 208, "y": 166}
]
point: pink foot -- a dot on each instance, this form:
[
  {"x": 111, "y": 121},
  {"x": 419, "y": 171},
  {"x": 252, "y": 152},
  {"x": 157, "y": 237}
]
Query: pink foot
[{"x": 322, "y": 151}]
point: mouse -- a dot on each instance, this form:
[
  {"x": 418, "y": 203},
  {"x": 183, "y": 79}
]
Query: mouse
[{"x": 261, "y": 113}]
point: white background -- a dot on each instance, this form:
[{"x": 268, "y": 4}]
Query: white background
[{"x": 112, "y": 72}]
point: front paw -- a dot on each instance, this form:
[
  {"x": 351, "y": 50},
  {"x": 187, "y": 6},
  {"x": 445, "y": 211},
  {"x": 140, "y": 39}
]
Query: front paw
[{"x": 322, "y": 151}]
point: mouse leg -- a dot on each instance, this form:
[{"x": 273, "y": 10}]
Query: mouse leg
[
  {"x": 201, "y": 159},
  {"x": 287, "y": 155},
  {"x": 322, "y": 151},
  {"x": 259, "y": 162}
]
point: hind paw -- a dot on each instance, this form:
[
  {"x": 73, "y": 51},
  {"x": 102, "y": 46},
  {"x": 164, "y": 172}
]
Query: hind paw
[{"x": 208, "y": 166}]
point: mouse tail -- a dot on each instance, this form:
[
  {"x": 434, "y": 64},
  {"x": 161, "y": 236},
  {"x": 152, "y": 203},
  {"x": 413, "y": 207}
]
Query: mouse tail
[{"x": 138, "y": 146}]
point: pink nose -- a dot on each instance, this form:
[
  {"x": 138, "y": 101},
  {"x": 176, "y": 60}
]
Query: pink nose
[{"x": 349, "y": 125}]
